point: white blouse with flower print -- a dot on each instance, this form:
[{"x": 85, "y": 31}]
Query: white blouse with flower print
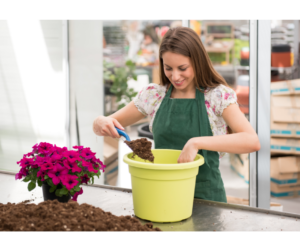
[{"x": 217, "y": 99}]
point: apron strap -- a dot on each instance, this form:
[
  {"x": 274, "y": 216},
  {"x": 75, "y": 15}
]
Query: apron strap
[
  {"x": 202, "y": 120},
  {"x": 168, "y": 94}
]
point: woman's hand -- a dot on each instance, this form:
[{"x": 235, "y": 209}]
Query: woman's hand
[
  {"x": 189, "y": 152},
  {"x": 105, "y": 126}
]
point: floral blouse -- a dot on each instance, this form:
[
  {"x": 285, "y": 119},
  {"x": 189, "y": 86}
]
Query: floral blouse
[{"x": 217, "y": 99}]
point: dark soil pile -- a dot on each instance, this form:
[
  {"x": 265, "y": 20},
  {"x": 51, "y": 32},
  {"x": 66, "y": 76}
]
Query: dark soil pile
[
  {"x": 142, "y": 148},
  {"x": 55, "y": 216}
]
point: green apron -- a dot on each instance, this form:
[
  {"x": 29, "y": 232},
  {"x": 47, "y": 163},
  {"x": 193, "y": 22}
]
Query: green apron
[{"x": 177, "y": 121}]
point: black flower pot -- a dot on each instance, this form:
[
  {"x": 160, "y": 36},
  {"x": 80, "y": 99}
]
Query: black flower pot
[
  {"x": 144, "y": 131},
  {"x": 51, "y": 196}
]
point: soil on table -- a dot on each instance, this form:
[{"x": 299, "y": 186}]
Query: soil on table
[
  {"x": 142, "y": 148},
  {"x": 56, "y": 216}
]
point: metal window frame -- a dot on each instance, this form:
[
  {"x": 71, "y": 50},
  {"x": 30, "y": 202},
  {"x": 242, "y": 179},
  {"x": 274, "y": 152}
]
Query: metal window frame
[
  {"x": 185, "y": 23},
  {"x": 65, "y": 41},
  {"x": 259, "y": 97}
]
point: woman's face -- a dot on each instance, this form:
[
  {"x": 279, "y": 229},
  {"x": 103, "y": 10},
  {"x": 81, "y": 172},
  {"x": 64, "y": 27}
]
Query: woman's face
[{"x": 179, "y": 70}]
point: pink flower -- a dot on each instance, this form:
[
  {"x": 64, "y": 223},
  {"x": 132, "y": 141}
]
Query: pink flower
[
  {"x": 55, "y": 158},
  {"x": 59, "y": 150},
  {"x": 30, "y": 154},
  {"x": 214, "y": 109},
  {"x": 45, "y": 148},
  {"x": 69, "y": 181},
  {"x": 41, "y": 173},
  {"x": 79, "y": 148},
  {"x": 207, "y": 104},
  {"x": 72, "y": 166},
  {"x": 35, "y": 148},
  {"x": 87, "y": 153},
  {"x": 47, "y": 166},
  {"x": 18, "y": 176},
  {"x": 72, "y": 156},
  {"x": 41, "y": 160},
  {"x": 84, "y": 179},
  {"x": 150, "y": 87},
  {"x": 88, "y": 167},
  {"x": 76, "y": 194},
  {"x": 57, "y": 173},
  {"x": 226, "y": 95},
  {"x": 98, "y": 162},
  {"x": 25, "y": 162}
]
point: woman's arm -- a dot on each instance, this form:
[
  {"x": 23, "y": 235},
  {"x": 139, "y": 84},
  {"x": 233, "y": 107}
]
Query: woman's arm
[
  {"x": 128, "y": 115},
  {"x": 105, "y": 126},
  {"x": 243, "y": 140}
]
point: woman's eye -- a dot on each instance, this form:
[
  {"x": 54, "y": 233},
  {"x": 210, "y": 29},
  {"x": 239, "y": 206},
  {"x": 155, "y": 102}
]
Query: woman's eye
[
  {"x": 167, "y": 69},
  {"x": 183, "y": 69}
]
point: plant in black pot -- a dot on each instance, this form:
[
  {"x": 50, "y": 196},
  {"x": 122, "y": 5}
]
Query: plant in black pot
[
  {"x": 59, "y": 171},
  {"x": 120, "y": 87}
]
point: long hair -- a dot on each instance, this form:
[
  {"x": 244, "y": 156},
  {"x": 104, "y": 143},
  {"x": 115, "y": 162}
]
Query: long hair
[{"x": 185, "y": 41}]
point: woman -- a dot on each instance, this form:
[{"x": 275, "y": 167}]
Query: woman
[{"x": 191, "y": 110}]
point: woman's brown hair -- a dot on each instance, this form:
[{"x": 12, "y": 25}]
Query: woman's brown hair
[{"x": 185, "y": 41}]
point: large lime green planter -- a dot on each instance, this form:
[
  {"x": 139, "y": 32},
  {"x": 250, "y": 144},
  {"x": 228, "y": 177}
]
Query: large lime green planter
[{"x": 163, "y": 191}]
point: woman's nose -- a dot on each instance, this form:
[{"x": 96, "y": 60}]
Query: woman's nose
[{"x": 175, "y": 76}]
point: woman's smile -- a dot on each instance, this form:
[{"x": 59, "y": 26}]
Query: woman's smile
[{"x": 178, "y": 83}]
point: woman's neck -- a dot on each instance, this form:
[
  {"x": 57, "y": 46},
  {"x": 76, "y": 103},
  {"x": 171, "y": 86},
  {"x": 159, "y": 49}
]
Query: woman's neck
[{"x": 188, "y": 93}]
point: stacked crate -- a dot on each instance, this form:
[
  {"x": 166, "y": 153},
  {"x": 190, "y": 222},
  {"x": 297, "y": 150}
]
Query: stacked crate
[{"x": 285, "y": 138}]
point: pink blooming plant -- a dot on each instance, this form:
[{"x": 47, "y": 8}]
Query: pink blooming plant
[{"x": 62, "y": 169}]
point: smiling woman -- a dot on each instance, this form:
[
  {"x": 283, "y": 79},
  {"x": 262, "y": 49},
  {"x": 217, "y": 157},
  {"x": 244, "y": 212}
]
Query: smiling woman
[{"x": 191, "y": 110}]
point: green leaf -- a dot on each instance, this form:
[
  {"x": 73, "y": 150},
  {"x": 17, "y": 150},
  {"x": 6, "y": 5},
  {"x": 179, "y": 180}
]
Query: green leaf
[
  {"x": 77, "y": 189},
  {"x": 26, "y": 179},
  {"x": 93, "y": 180},
  {"x": 31, "y": 186},
  {"x": 52, "y": 189},
  {"x": 46, "y": 177},
  {"x": 63, "y": 191},
  {"x": 34, "y": 172},
  {"x": 40, "y": 183},
  {"x": 50, "y": 183},
  {"x": 57, "y": 192}
]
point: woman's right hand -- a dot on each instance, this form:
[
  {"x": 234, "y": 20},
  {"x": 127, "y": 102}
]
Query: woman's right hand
[{"x": 105, "y": 126}]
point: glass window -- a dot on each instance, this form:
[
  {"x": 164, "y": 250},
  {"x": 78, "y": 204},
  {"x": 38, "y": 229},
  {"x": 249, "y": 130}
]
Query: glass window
[
  {"x": 32, "y": 88},
  {"x": 285, "y": 124}
]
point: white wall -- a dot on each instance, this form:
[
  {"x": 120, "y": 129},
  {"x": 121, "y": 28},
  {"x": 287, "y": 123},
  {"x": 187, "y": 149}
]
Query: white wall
[{"x": 85, "y": 61}]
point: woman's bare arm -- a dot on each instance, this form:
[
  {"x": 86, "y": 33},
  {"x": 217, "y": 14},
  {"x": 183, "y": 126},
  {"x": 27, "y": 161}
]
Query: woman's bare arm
[
  {"x": 128, "y": 115},
  {"x": 105, "y": 126},
  {"x": 243, "y": 140}
]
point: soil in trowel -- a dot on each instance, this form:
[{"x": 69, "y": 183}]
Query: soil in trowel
[
  {"x": 142, "y": 148},
  {"x": 56, "y": 216}
]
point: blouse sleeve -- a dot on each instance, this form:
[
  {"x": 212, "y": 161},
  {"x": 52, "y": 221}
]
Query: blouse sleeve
[
  {"x": 224, "y": 96},
  {"x": 147, "y": 99}
]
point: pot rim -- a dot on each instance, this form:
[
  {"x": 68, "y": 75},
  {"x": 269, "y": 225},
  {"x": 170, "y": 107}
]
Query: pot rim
[{"x": 158, "y": 166}]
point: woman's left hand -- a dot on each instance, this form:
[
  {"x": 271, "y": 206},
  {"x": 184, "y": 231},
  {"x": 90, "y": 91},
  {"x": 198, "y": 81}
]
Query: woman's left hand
[{"x": 189, "y": 152}]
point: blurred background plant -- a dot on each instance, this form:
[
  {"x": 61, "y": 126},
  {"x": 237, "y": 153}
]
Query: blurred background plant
[{"x": 119, "y": 77}]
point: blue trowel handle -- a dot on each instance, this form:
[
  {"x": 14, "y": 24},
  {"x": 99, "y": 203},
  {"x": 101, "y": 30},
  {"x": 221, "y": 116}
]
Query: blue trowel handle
[{"x": 122, "y": 133}]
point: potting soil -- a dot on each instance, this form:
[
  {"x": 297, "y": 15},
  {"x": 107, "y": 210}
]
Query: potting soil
[
  {"x": 56, "y": 216},
  {"x": 142, "y": 148}
]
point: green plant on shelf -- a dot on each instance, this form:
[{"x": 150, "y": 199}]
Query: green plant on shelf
[
  {"x": 119, "y": 78},
  {"x": 106, "y": 70}
]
